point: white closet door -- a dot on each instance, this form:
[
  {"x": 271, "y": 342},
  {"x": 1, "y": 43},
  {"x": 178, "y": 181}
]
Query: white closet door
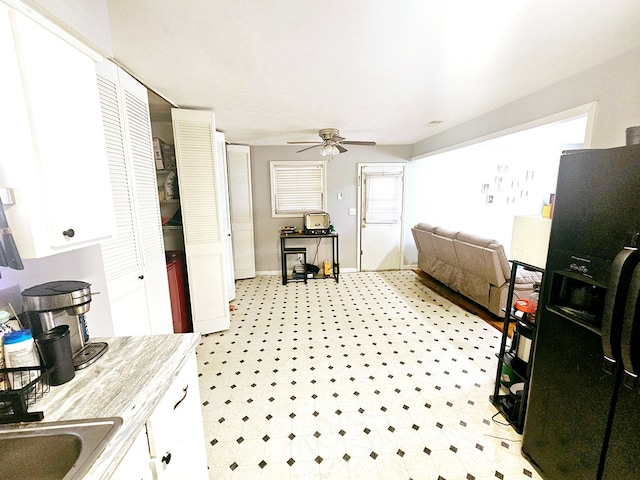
[
  {"x": 134, "y": 261},
  {"x": 121, "y": 256},
  {"x": 149, "y": 223},
  {"x": 225, "y": 215},
  {"x": 240, "y": 199},
  {"x": 194, "y": 139}
]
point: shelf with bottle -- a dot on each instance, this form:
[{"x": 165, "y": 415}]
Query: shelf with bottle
[{"x": 514, "y": 357}]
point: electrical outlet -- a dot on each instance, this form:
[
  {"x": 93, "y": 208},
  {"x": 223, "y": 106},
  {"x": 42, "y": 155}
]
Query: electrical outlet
[{"x": 300, "y": 257}]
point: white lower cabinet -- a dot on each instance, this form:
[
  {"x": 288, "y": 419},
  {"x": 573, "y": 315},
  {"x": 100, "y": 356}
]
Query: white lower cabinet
[
  {"x": 175, "y": 430},
  {"x": 135, "y": 465},
  {"x": 172, "y": 444}
]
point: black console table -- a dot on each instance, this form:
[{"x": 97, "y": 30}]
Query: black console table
[{"x": 335, "y": 265}]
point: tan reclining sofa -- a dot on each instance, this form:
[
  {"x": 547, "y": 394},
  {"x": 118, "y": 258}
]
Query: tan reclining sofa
[{"x": 475, "y": 267}]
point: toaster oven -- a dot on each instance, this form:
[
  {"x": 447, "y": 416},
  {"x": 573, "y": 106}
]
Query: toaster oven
[{"x": 316, "y": 223}]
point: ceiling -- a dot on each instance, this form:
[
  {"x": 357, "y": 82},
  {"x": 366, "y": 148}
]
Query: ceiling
[{"x": 380, "y": 70}]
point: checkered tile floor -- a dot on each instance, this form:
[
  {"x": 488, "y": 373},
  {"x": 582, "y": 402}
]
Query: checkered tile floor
[{"x": 375, "y": 377}]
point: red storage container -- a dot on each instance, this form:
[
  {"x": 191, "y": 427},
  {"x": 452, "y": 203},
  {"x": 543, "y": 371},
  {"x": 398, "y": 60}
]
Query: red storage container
[{"x": 178, "y": 291}]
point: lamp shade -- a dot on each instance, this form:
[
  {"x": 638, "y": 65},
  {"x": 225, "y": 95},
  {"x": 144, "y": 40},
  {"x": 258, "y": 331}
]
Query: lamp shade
[{"x": 328, "y": 150}]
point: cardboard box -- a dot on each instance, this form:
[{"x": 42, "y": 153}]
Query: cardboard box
[
  {"x": 157, "y": 153},
  {"x": 163, "y": 154}
]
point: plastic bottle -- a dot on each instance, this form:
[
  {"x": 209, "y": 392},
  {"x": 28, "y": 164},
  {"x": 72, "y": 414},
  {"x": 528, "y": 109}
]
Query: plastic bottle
[
  {"x": 4, "y": 328},
  {"x": 532, "y": 308},
  {"x": 20, "y": 351},
  {"x": 327, "y": 268}
]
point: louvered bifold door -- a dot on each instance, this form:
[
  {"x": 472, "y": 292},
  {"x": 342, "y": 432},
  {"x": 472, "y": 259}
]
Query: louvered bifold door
[
  {"x": 225, "y": 214},
  {"x": 145, "y": 184},
  {"x": 241, "y": 203},
  {"x": 134, "y": 263},
  {"x": 121, "y": 256},
  {"x": 194, "y": 138}
]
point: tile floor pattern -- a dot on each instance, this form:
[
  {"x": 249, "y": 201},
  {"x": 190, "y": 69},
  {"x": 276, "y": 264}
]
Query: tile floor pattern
[{"x": 375, "y": 377}]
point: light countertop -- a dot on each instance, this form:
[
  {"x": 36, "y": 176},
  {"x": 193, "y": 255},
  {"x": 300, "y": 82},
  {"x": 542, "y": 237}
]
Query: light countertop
[{"x": 128, "y": 381}]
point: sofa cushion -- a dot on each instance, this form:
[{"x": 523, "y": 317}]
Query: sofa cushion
[
  {"x": 502, "y": 259},
  {"x": 475, "y": 239},
  {"x": 492, "y": 257},
  {"x": 424, "y": 241},
  {"x": 527, "y": 276},
  {"x": 445, "y": 250},
  {"x": 471, "y": 259},
  {"x": 426, "y": 227},
  {"x": 444, "y": 232}
]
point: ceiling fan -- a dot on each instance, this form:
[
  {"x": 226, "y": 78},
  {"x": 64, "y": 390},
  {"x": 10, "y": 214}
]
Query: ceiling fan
[{"x": 332, "y": 143}]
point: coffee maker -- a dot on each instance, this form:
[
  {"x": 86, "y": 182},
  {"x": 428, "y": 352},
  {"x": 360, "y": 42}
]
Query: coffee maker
[{"x": 64, "y": 302}]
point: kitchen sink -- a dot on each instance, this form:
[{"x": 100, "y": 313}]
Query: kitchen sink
[{"x": 62, "y": 450}]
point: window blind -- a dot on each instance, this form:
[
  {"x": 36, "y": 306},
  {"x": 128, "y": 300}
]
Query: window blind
[{"x": 297, "y": 187}]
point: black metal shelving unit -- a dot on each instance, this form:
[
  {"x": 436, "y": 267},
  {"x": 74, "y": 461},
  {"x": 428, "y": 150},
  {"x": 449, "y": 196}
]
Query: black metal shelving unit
[{"x": 513, "y": 407}]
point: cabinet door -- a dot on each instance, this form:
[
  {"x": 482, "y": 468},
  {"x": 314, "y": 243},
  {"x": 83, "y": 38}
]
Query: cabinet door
[
  {"x": 135, "y": 464},
  {"x": 176, "y": 432},
  {"x": 193, "y": 134},
  {"x": 240, "y": 199},
  {"x": 134, "y": 261},
  {"x": 65, "y": 182}
]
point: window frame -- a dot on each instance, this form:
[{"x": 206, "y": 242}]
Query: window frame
[{"x": 302, "y": 165}]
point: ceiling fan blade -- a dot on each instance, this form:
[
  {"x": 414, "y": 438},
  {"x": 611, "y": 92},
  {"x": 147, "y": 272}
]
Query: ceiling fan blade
[
  {"x": 354, "y": 142},
  {"x": 337, "y": 138},
  {"x": 294, "y": 143},
  {"x": 309, "y": 148},
  {"x": 340, "y": 148}
]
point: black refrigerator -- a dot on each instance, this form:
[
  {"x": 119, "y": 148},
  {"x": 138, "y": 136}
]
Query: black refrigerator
[{"x": 583, "y": 416}]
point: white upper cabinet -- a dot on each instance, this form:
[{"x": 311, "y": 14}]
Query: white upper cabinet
[{"x": 54, "y": 155}]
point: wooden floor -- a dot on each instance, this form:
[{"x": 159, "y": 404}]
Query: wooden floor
[{"x": 463, "y": 302}]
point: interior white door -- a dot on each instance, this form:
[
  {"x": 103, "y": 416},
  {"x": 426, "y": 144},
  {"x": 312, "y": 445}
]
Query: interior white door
[
  {"x": 194, "y": 138},
  {"x": 225, "y": 214},
  {"x": 241, "y": 203},
  {"x": 134, "y": 261},
  {"x": 381, "y": 207}
]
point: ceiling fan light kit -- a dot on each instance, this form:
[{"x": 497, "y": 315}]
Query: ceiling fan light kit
[
  {"x": 329, "y": 150},
  {"x": 332, "y": 143}
]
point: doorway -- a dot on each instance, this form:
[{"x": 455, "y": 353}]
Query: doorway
[{"x": 381, "y": 195}]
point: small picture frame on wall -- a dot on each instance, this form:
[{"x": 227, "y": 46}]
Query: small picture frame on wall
[
  {"x": 503, "y": 168},
  {"x": 489, "y": 199},
  {"x": 484, "y": 188}
]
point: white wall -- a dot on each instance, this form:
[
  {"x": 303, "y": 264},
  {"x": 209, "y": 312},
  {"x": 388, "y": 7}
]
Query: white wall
[
  {"x": 520, "y": 171},
  {"x": 83, "y": 265},
  {"x": 87, "y": 20},
  {"x": 342, "y": 177},
  {"x": 614, "y": 85}
]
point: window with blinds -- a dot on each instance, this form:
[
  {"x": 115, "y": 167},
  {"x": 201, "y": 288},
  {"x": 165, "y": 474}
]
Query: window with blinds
[{"x": 297, "y": 187}]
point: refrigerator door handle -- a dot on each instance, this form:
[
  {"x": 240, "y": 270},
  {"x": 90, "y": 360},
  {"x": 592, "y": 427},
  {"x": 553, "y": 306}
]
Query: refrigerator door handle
[
  {"x": 630, "y": 380},
  {"x": 608, "y": 365},
  {"x": 630, "y": 330},
  {"x": 621, "y": 270}
]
